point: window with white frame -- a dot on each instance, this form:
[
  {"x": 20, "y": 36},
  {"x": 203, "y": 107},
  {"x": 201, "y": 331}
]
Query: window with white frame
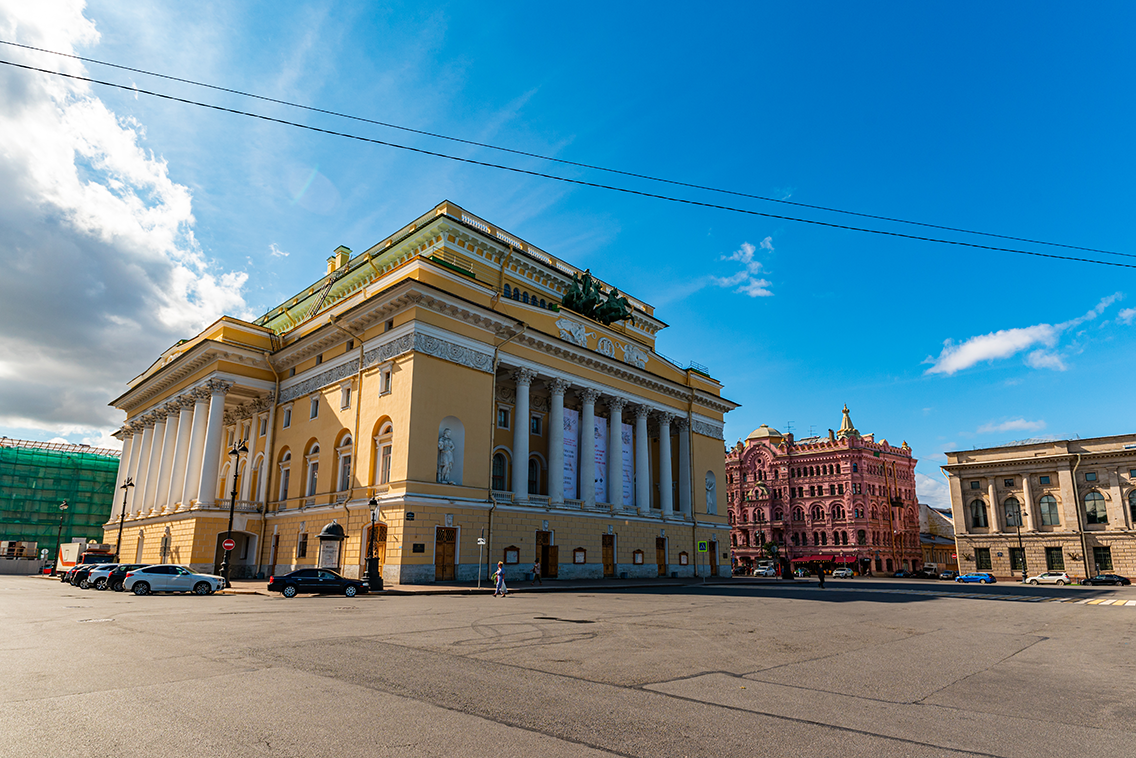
[
  {"x": 312, "y": 478},
  {"x": 384, "y": 450},
  {"x": 344, "y": 397},
  {"x": 385, "y": 382},
  {"x": 536, "y": 425},
  {"x": 285, "y": 475},
  {"x": 502, "y": 418},
  {"x": 286, "y": 417},
  {"x": 978, "y": 514},
  {"x": 1095, "y": 511},
  {"x": 263, "y": 425},
  {"x": 343, "y": 452},
  {"x": 315, "y": 408},
  {"x": 1049, "y": 514}
]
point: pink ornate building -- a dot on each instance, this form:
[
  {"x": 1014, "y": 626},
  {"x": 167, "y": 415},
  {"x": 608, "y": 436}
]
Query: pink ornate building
[{"x": 841, "y": 500}]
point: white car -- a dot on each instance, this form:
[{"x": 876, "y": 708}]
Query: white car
[
  {"x": 1051, "y": 577},
  {"x": 98, "y": 576},
  {"x": 765, "y": 571},
  {"x": 170, "y": 578},
  {"x": 842, "y": 573}
]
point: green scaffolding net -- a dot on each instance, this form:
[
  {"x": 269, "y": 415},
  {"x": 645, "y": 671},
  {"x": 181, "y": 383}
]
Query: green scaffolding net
[{"x": 36, "y": 477}]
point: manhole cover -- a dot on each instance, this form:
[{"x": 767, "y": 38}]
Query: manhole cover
[{"x": 93, "y": 621}]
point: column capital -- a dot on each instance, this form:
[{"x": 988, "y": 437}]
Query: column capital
[
  {"x": 524, "y": 377},
  {"x": 188, "y": 400},
  {"x": 615, "y": 405},
  {"x": 172, "y": 407},
  {"x": 148, "y": 420},
  {"x": 219, "y": 386},
  {"x": 664, "y": 417},
  {"x": 160, "y": 414},
  {"x": 682, "y": 424},
  {"x": 557, "y": 386},
  {"x": 200, "y": 394},
  {"x": 642, "y": 412},
  {"x": 588, "y": 395},
  {"x": 123, "y": 434}
]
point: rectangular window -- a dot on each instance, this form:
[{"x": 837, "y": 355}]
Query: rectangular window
[
  {"x": 302, "y": 546},
  {"x": 1091, "y": 476},
  {"x": 264, "y": 426},
  {"x": 1043, "y": 479},
  {"x": 982, "y": 558},
  {"x": 385, "y": 383},
  {"x": 287, "y": 418},
  {"x": 1102, "y": 557},
  {"x": 285, "y": 476},
  {"x": 344, "y": 473},
  {"x": 502, "y": 418},
  {"x": 385, "y": 465},
  {"x": 840, "y": 489},
  {"x": 1007, "y": 482},
  {"x": 535, "y": 426},
  {"x": 319, "y": 359},
  {"x": 1017, "y": 559},
  {"x": 292, "y": 371},
  {"x": 855, "y": 467},
  {"x": 350, "y": 345},
  {"x": 344, "y": 398},
  {"x": 1132, "y": 473},
  {"x": 388, "y": 325},
  {"x": 315, "y": 410},
  {"x": 1054, "y": 559},
  {"x": 975, "y": 485}
]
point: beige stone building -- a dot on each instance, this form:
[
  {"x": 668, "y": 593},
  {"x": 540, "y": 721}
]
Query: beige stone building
[
  {"x": 1077, "y": 500},
  {"x": 440, "y": 384}
]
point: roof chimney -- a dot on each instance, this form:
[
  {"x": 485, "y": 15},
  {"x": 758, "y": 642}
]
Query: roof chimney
[{"x": 338, "y": 258}]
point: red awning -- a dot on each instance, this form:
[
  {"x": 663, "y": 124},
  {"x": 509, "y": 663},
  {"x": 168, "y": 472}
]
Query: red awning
[{"x": 825, "y": 559}]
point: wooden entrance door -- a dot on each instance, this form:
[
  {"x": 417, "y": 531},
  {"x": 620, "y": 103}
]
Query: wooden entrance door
[
  {"x": 548, "y": 554},
  {"x": 661, "y": 554},
  {"x": 272, "y": 557},
  {"x": 445, "y": 550},
  {"x": 609, "y": 555},
  {"x": 713, "y": 558}
]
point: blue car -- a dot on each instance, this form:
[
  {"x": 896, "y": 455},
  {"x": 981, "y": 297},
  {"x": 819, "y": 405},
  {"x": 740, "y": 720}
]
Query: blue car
[{"x": 976, "y": 578}]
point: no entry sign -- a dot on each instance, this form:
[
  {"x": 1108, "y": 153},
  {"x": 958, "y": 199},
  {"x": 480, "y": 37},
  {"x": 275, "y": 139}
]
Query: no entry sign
[{"x": 228, "y": 544}]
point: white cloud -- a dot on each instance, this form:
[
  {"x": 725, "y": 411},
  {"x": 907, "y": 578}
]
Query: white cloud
[
  {"x": 934, "y": 492},
  {"x": 1012, "y": 425},
  {"x": 103, "y": 269},
  {"x": 747, "y": 281},
  {"x": 1009, "y": 342},
  {"x": 1127, "y": 315},
  {"x": 276, "y": 252}
]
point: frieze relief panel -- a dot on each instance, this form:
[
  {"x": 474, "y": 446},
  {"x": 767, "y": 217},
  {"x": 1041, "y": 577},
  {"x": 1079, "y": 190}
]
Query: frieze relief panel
[
  {"x": 577, "y": 333},
  {"x": 707, "y": 429}
]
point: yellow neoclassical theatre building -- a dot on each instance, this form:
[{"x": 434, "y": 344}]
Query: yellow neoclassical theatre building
[{"x": 452, "y": 384}]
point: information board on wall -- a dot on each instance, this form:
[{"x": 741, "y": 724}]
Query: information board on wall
[
  {"x": 571, "y": 436},
  {"x": 599, "y": 432},
  {"x": 628, "y": 438}
]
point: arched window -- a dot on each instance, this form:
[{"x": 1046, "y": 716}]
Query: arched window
[
  {"x": 1131, "y": 504},
  {"x": 500, "y": 469},
  {"x": 844, "y": 538},
  {"x": 312, "y": 479},
  {"x": 516, "y": 294},
  {"x": 534, "y": 476},
  {"x": 798, "y": 514},
  {"x": 731, "y": 518},
  {"x": 343, "y": 452},
  {"x": 1013, "y": 510},
  {"x": 978, "y": 514},
  {"x": 818, "y": 513},
  {"x": 285, "y": 474},
  {"x": 824, "y": 538},
  {"x": 525, "y": 297},
  {"x": 508, "y": 290},
  {"x": 861, "y": 537},
  {"x": 875, "y": 514},
  {"x": 745, "y": 517},
  {"x": 779, "y": 515},
  {"x": 838, "y": 511},
  {"x": 796, "y": 540},
  {"x": 816, "y": 538},
  {"x": 759, "y": 515},
  {"x": 384, "y": 451},
  {"x": 734, "y": 540},
  {"x": 543, "y": 304},
  {"x": 1095, "y": 511}
]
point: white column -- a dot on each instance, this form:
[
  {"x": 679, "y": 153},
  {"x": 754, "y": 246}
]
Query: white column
[
  {"x": 246, "y": 473},
  {"x": 666, "y": 501},
  {"x": 523, "y": 377},
  {"x": 155, "y": 463},
  {"x": 642, "y": 462},
  {"x": 684, "y": 491},
  {"x": 138, "y": 499},
  {"x": 997, "y": 518},
  {"x": 143, "y": 433},
  {"x": 588, "y": 447},
  {"x": 181, "y": 450},
  {"x": 556, "y": 388},
  {"x": 1031, "y": 520},
  {"x": 127, "y": 436},
  {"x": 192, "y": 488},
  {"x": 169, "y": 450},
  {"x": 615, "y": 450},
  {"x": 207, "y": 493}
]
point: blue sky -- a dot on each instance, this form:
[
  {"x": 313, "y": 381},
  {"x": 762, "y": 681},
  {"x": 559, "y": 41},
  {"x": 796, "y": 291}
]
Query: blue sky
[{"x": 129, "y": 222}]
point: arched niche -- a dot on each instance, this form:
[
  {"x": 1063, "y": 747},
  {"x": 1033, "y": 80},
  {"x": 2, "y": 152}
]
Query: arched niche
[{"x": 451, "y": 450}]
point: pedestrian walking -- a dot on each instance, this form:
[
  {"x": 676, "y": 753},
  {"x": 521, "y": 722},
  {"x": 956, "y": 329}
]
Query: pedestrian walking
[
  {"x": 499, "y": 576},
  {"x": 536, "y": 572},
  {"x": 820, "y": 576}
]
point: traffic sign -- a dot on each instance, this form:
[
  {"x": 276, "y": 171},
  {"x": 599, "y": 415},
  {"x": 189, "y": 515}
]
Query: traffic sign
[
  {"x": 228, "y": 544},
  {"x": 480, "y": 540},
  {"x": 703, "y": 546}
]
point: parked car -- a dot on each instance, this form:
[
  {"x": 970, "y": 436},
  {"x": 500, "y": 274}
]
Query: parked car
[
  {"x": 842, "y": 573},
  {"x": 170, "y": 578},
  {"x": 79, "y": 578},
  {"x": 1115, "y": 579},
  {"x": 321, "y": 581},
  {"x": 765, "y": 571},
  {"x": 978, "y": 577},
  {"x": 1051, "y": 577},
  {"x": 98, "y": 576},
  {"x": 903, "y": 574},
  {"x": 949, "y": 576},
  {"x": 117, "y": 576}
]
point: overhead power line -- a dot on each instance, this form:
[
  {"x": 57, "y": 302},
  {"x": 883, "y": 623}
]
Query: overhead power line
[
  {"x": 567, "y": 180},
  {"x": 566, "y": 162}
]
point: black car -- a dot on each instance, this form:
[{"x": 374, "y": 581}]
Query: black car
[
  {"x": 1114, "y": 579},
  {"x": 949, "y": 576},
  {"x": 80, "y": 574},
  {"x": 118, "y": 576},
  {"x": 312, "y": 580}
]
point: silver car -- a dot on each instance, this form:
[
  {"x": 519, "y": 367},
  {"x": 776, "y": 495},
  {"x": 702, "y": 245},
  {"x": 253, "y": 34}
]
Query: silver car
[
  {"x": 98, "y": 576},
  {"x": 171, "y": 578},
  {"x": 1051, "y": 577}
]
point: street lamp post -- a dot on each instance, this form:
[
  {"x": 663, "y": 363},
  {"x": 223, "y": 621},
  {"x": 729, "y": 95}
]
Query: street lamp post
[
  {"x": 236, "y": 452},
  {"x": 122, "y": 516},
  {"x": 59, "y": 537},
  {"x": 1021, "y": 547},
  {"x": 371, "y": 573}
]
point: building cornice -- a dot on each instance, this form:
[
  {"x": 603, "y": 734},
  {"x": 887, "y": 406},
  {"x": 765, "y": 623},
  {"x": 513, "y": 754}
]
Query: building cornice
[{"x": 185, "y": 365}]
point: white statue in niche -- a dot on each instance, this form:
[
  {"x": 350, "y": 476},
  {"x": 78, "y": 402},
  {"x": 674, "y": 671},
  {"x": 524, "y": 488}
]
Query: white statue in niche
[
  {"x": 445, "y": 457},
  {"x": 711, "y": 498}
]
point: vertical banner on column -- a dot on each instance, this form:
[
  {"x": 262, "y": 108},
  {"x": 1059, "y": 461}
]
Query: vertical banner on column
[
  {"x": 600, "y": 432},
  {"x": 627, "y": 452},
  {"x": 571, "y": 436}
]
